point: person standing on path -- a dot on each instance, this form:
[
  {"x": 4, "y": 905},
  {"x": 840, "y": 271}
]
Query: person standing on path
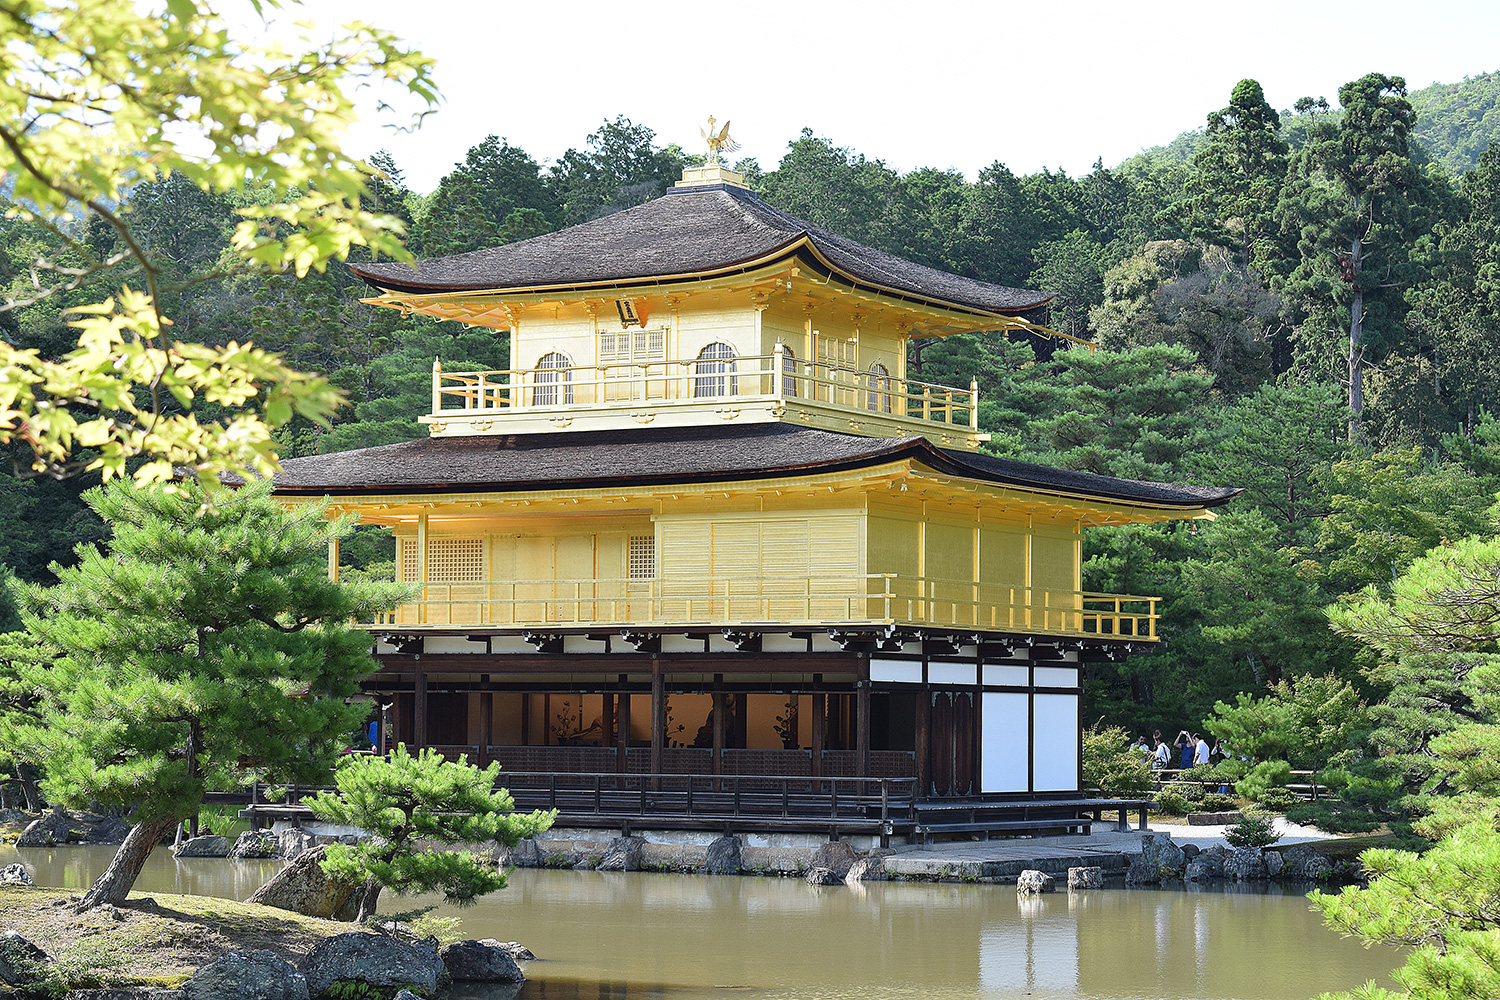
[
  {"x": 1187, "y": 743},
  {"x": 1200, "y": 752}
]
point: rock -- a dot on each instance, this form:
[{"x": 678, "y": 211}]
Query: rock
[
  {"x": 259, "y": 975},
  {"x": 56, "y": 827},
  {"x": 1031, "y": 881},
  {"x": 1168, "y": 858},
  {"x": 407, "y": 995},
  {"x": 480, "y": 962},
  {"x": 303, "y": 887},
  {"x": 583, "y": 865},
  {"x": 1142, "y": 872},
  {"x": 1304, "y": 863},
  {"x": 16, "y": 875},
  {"x": 1246, "y": 864},
  {"x": 106, "y": 830},
  {"x": 126, "y": 993},
  {"x": 1091, "y": 877},
  {"x": 622, "y": 855},
  {"x": 1274, "y": 863},
  {"x": 1191, "y": 851},
  {"x": 514, "y": 949},
  {"x": 1213, "y": 819},
  {"x": 255, "y": 844},
  {"x": 723, "y": 856},
  {"x": 1213, "y": 860},
  {"x": 1196, "y": 871},
  {"x": 526, "y": 854},
  {"x": 202, "y": 847},
  {"x": 293, "y": 844},
  {"x": 818, "y": 875},
  {"x": 373, "y": 959},
  {"x": 21, "y": 962},
  {"x": 837, "y": 856},
  {"x": 867, "y": 869}
]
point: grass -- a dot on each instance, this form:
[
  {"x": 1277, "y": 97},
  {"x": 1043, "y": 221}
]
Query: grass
[{"x": 153, "y": 940}]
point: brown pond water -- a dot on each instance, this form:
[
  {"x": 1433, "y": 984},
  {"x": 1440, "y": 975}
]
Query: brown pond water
[{"x": 685, "y": 937}]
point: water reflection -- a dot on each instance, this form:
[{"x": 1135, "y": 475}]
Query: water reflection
[{"x": 667, "y": 937}]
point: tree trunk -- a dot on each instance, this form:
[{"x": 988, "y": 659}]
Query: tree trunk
[
  {"x": 114, "y": 885},
  {"x": 1356, "y": 352},
  {"x": 29, "y": 776},
  {"x": 369, "y": 895}
]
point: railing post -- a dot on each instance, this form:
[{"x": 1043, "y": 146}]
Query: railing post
[
  {"x": 437, "y": 381},
  {"x": 973, "y": 404}
]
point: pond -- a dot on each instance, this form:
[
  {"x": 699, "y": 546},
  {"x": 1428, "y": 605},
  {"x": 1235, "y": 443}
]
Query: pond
[{"x": 684, "y": 937}]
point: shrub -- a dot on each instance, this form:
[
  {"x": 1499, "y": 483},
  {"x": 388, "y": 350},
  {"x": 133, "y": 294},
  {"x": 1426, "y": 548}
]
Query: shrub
[
  {"x": 1253, "y": 830},
  {"x": 1214, "y": 802},
  {"x": 1277, "y": 799},
  {"x": 1262, "y": 778},
  {"x": 1171, "y": 800},
  {"x": 1112, "y": 765}
]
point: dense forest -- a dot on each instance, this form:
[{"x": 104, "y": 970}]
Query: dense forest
[{"x": 1301, "y": 303}]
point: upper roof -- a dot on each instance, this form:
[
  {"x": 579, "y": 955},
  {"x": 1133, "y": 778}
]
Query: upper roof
[
  {"x": 663, "y": 456},
  {"x": 688, "y": 231}
]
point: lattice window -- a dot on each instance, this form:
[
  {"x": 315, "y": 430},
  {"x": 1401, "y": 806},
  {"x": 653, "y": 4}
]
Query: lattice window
[
  {"x": 788, "y": 371},
  {"x": 449, "y": 560},
  {"x": 880, "y": 388},
  {"x": 713, "y": 372},
  {"x": 641, "y": 347},
  {"x": 641, "y": 557},
  {"x": 553, "y": 371}
]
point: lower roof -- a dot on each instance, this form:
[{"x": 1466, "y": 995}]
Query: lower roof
[{"x": 667, "y": 455}]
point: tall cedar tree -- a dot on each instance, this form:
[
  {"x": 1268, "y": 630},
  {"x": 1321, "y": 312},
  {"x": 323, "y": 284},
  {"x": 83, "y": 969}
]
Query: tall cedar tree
[
  {"x": 202, "y": 645},
  {"x": 1359, "y": 208}
]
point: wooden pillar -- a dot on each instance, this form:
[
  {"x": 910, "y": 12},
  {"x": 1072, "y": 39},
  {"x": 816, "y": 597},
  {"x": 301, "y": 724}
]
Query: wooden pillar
[
  {"x": 721, "y": 709},
  {"x": 819, "y": 727},
  {"x": 419, "y": 711},
  {"x": 741, "y": 736},
  {"x": 622, "y": 746},
  {"x": 924, "y": 739},
  {"x": 607, "y": 720},
  {"x": 547, "y": 719},
  {"x": 862, "y": 727},
  {"x": 526, "y": 719},
  {"x": 658, "y": 715},
  {"x": 333, "y": 559},
  {"x": 486, "y": 720}
]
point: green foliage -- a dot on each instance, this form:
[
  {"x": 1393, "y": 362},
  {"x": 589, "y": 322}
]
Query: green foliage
[
  {"x": 1253, "y": 829},
  {"x": 1263, "y": 780},
  {"x": 1112, "y": 764},
  {"x": 1173, "y": 799},
  {"x": 1311, "y": 723},
  {"x": 202, "y": 635},
  {"x": 401, "y": 800},
  {"x": 1441, "y": 903}
]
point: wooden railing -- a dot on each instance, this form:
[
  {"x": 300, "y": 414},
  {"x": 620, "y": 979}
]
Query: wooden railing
[
  {"x": 876, "y": 598},
  {"x": 763, "y": 376}
]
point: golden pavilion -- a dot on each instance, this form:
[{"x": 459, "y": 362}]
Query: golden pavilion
[{"x": 707, "y": 528}]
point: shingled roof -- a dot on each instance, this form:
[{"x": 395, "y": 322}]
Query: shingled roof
[
  {"x": 663, "y": 456},
  {"x": 690, "y": 230}
]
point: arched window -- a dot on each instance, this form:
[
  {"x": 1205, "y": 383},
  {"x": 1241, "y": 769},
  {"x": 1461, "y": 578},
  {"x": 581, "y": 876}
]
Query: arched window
[
  {"x": 553, "y": 371},
  {"x": 713, "y": 372},
  {"x": 788, "y": 371},
  {"x": 880, "y": 389}
]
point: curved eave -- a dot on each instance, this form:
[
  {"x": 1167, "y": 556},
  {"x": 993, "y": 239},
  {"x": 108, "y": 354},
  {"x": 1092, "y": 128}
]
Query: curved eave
[
  {"x": 803, "y": 248},
  {"x": 917, "y": 452}
]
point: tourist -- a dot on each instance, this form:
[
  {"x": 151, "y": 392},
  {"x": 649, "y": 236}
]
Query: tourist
[
  {"x": 1186, "y": 742},
  {"x": 1200, "y": 752},
  {"x": 1162, "y": 756}
]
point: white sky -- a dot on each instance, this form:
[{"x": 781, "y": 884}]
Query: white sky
[{"x": 939, "y": 83}]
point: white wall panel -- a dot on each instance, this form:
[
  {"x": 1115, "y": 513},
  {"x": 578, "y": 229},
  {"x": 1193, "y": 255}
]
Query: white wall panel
[
  {"x": 896, "y": 671},
  {"x": 1055, "y": 746},
  {"x": 999, "y": 673},
  {"x": 1002, "y": 744},
  {"x": 1057, "y": 677},
  {"x": 951, "y": 673}
]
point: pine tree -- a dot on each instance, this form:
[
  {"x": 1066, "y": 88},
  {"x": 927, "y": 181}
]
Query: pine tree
[{"x": 200, "y": 647}]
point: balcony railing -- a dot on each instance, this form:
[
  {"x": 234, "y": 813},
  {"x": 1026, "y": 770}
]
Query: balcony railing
[
  {"x": 755, "y": 377},
  {"x": 873, "y": 599}
]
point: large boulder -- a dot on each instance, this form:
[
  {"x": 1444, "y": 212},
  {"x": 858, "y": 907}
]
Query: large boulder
[
  {"x": 622, "y": 855},
  {"x": 1196, "y": 871},
  {"x": 867, "y": 869},
  {"x": 21, "y": 962},
  {"x": 1213, "y": 860},
  {"x": 254, "y": 844},
  {"x": 292, "y": 844},
  {"x": 303, "y": 887},
  {"x": 1247, "y": 864},
  {"x": 836, "y": 856},
  {"x": 1163, "y": 853},
  {"x": 55, "y": 827},
  {"x": 383, "y": 963},
  {"x": 16, "y": 875},
  {"x": 1303, "y": 863},
  {"x": 514, "y": 949},
  {"x": 259, "y": 975},
  {"x": 818, "y": 875},
  {"x": 202, "y": 847},
  {"x": 1031, "y": 882},
  {"x": 105, "y": 830},
  {"x": 1274, "y": 863},
  {"x": 723, "y": 856},
  {"x": 480, "y": 962},
  {"x": 1142, "y": 872},
  {"x": 526, "y": 854},
  {"x": 1091, "y": 877}
]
